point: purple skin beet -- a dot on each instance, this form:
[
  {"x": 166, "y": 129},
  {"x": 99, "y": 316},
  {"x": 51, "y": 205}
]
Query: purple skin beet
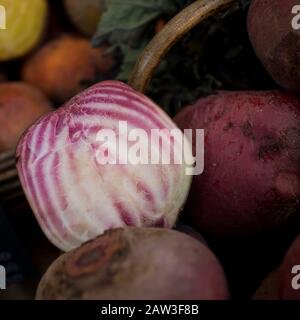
[
  {"x": 289, "y": 273},
  {"x": 274, "y": 40},
  {"x": 251, "y": 180},
  {"x": 136, "y": 263}
]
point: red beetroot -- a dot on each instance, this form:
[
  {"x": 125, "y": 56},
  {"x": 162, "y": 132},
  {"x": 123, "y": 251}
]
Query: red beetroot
[
  {"x": 251, "y": 181},
  {"x": 275, "y": 41},
  {"x": 136, "y": 263}
]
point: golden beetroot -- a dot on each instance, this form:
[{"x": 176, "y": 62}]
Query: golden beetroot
[
  {"x": 61, "y": 67},
  {"x": 25, "y": 23}
]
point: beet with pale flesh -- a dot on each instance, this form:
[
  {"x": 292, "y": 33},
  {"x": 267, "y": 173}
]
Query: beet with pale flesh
[
  {"x": 136, "y": 263},
  {"x": 251, "y": 180}
]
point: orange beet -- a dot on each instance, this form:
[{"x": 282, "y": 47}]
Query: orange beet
[
  {"x": 61, "y": 66},
  {"x": 20, "y": 105}
]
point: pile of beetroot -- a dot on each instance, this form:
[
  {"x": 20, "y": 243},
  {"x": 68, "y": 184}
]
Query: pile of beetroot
[{"x": 245, "y": 204}]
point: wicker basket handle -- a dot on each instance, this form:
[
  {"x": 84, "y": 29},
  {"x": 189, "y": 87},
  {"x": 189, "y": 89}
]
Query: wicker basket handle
[{"x": 174, "y": 30}]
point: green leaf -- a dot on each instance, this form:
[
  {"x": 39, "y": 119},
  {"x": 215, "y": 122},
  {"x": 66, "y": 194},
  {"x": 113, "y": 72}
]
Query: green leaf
[
  {"x": 129, "y": 61},
  {"x": 128, "y": 15},
  {"x": 128, "y": 25},
  {"x": 123, "y": 19}
]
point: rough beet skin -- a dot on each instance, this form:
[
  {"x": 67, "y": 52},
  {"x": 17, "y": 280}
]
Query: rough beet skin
[
  {"x": 251, "y": 180},
  {"x": 136, "y": 263},
  {"x": 275, "y": 41}
]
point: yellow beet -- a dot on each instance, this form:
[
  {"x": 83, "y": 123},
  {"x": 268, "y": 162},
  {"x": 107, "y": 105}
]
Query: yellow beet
[{"x": 25, "y": 22}]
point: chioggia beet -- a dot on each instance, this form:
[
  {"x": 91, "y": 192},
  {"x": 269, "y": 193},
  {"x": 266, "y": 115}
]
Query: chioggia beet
[
  {"x": 79, "y": 185},
  {"x": 289, "y": 273},
  {"x": 251, "y": 180},
  {"x": 273, "y": 27},
  {"x": 25, "y": 24},
  {"x": 136, "y": 263}
]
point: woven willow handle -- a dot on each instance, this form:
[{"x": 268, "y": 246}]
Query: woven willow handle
[{"x": 174, "y": 30}]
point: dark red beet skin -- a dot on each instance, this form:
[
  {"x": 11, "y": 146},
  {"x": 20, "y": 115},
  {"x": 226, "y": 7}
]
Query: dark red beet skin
[
  {"x": 251, "y": 180},
  {"x": 275, "y": 41}
]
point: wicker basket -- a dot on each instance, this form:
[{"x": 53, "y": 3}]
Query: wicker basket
[{"x": 10, "y": 187}]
